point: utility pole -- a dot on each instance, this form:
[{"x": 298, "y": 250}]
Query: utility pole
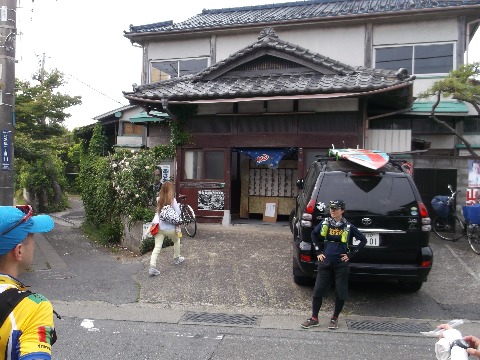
[{"x": 8, "y": 30}]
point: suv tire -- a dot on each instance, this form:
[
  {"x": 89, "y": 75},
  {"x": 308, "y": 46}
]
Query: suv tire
[
  {"x": 303, "y": 280},
  {"x": 410, "y": 286},
  {"x": 291, "y": 220}
]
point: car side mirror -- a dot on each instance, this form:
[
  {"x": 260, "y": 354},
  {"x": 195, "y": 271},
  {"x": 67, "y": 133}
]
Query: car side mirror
[{"x": 300, "y": 183}]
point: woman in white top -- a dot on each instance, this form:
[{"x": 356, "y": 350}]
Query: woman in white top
[{"x": 166, "y": 197}]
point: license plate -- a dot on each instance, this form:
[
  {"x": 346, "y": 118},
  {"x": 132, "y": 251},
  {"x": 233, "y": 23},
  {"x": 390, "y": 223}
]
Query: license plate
[{"x": 373, "y": 239}]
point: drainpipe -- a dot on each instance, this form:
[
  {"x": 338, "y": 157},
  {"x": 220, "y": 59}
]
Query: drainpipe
[
  {"x": 467, "y": 42},
  {"x": 166, "y": 109},
  {"x": 175, "y": 159}
]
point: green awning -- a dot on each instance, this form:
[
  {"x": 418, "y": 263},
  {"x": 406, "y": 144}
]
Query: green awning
[
  {"x": 445, "y": 107},
  {"x": 462, "y": 146},
  {"x": 154, "y": 116}
]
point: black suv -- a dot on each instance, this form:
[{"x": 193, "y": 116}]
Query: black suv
[{"x": 384, "y": 204}]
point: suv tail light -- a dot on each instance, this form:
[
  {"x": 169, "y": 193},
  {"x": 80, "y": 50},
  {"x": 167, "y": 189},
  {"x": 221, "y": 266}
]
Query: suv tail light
[
  {"x": 310, "y": 206},
  {"x": 426, "y": 222},
  {"x": 307, "y": 215}
]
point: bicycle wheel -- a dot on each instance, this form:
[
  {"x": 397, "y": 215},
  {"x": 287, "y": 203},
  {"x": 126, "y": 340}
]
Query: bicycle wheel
[
  {"x": 190, "y": 223},
  {"x": 448, "y": 228},
  {"x": 473, "y": 234}
]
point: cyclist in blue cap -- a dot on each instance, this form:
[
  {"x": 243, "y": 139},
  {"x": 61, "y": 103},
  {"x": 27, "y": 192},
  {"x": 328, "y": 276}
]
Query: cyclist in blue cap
[
  {"x": 26, "y": 319},
  {"x": 331, "y": 238}
]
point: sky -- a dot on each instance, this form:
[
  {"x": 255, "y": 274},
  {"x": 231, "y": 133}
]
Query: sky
[{"x": 84, "y": 40}]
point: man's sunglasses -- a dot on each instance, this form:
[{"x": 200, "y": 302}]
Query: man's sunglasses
[{"x": 27, "y": 210}]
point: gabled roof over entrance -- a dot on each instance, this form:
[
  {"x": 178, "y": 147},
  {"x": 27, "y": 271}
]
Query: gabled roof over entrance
[{"x": 272, "y": 68}]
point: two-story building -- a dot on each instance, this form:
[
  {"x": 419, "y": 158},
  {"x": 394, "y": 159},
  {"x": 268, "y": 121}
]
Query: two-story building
[{"x": 272, "y": 86}]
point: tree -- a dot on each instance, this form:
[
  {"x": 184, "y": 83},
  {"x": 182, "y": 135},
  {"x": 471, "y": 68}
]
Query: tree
[
  {"x": 42, "y": 142},
  {"x": 461, "y": 84}
]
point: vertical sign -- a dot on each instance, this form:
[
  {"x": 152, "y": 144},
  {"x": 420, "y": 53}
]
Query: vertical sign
[
  {"x": 6, "y": 150},
  {"x": 165, "y": 173},
  {"x": 3, "y": 13}
]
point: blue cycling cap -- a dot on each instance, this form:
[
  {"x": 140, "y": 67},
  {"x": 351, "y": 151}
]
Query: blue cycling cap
[{"x": 13, "y": 230}]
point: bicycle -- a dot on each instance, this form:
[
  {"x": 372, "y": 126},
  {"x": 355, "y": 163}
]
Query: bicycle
[
  {"x": 189, "y": 221},
  {"x": 451, "y": 225}
]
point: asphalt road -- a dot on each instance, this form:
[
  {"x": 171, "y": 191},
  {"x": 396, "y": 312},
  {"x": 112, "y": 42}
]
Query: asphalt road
[{"x": 242, "y": 272}]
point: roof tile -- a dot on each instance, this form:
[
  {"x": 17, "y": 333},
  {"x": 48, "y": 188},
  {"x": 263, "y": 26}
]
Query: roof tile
[{"x": 313, "y": 9}]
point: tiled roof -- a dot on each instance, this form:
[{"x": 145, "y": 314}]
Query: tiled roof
[
  {"x": 300, "y": 10},
  {"x": 324, "y": 76}
]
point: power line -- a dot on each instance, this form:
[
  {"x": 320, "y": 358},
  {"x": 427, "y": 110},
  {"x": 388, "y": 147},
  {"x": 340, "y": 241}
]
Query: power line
[{"x": 91, "y": 87}]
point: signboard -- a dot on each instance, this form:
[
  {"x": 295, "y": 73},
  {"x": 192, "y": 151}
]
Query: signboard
[
  {"x": 473, "y": 173},
  {"x": 6, "y": 150},
  {"x": 270, "y": 211},
  {"x": 165, "y": 169},
  {"x": 211, "y": 200},
  {"x": 472, "y": 196}
]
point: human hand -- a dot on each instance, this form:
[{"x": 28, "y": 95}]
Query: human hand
[
  {"x": 474, "y": 345},
  {"x": 444, "y": 326},
  {"x": 344, "y": 257},
  {"x": 321, "y": 257}
]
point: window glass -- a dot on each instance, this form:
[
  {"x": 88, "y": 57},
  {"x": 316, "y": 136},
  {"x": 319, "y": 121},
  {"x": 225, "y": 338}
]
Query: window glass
[
  {"x": 386, "y": 195},
  {"x": 426, "y": 125},
  {"x": 214, "y": 165},
  {"x": 193, "y": 167},
  {"x": 310, "y": 155},
  {"x": 431, "y": 59},
  {"x": 417, "y": 59},
  {"x": 192, "y": 66},
  {"x": 132, "y": 129},
  {"x": 170, "y": 69},
  {"x": 394, "y": 58},
  {"x": 164, "y": 70},
  {"x": 471, "y": 125}
]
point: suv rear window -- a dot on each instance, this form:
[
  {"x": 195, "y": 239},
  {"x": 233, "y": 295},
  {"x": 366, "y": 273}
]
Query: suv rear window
[{"x": 378, "y": 194}]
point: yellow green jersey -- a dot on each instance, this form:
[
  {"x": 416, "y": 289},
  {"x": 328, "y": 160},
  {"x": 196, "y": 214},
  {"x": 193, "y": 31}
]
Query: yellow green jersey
[{"x": 28, "y": 332}]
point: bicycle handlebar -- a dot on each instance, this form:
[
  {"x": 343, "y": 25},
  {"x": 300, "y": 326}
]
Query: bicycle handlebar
[{"x": 452, "y": 197}]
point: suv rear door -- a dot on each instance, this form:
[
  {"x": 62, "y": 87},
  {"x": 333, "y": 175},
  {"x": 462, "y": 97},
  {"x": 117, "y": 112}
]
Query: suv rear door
[{"x": 385, "y": 207}]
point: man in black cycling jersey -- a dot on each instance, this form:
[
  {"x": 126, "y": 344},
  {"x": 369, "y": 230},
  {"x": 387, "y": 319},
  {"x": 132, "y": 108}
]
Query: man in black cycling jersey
[{"x": 331, "y": 238}]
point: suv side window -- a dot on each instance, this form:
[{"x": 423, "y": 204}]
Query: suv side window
[{"x": 310, "y": 180}]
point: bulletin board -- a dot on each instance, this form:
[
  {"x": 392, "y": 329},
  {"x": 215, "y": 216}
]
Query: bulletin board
[{"x": 270, "y": 210}]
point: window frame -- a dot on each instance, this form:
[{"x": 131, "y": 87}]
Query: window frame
[
  {"x": 178, "y": 61},
  {"x": 413, "y": 45}
]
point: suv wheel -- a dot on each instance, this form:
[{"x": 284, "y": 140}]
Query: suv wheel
[
  {"x": 291, "y": 219},
  {"x": 303, "y": 280},
  {"x": 410, "y": 286}
]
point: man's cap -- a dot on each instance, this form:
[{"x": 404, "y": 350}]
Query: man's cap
[
  {"x": 9, "y": 216},
  {"x": 337, "y": 204}
]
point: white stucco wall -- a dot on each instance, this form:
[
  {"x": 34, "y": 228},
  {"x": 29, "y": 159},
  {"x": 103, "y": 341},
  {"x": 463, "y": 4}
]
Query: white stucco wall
[
  {"x": 415, "y": 32},
  {"x": 179, "y": 48},
  {"x": 324, "y": 41},
  {"x": 345, "y": 44}
]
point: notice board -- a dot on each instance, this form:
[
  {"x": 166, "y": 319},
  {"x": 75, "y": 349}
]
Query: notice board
[{"x": 270, "y": 210}]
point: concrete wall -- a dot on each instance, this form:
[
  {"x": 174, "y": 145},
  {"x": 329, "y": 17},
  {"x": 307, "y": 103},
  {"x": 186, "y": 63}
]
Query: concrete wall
[{"x": 132, "y": 236}]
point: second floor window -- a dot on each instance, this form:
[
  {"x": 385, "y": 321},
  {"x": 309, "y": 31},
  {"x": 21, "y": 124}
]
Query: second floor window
[
  {"x": 170, "y": 69},
  {"x": 417, "y": 59}
]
